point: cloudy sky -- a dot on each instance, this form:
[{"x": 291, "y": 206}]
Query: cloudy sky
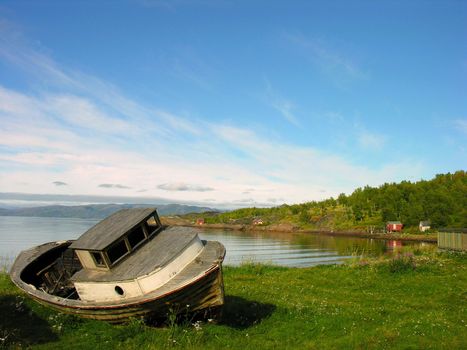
[{"x": 229, "y": 103}]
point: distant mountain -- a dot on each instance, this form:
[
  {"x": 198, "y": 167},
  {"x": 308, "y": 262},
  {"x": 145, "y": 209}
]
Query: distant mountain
[{"x": 98, "y": 211}]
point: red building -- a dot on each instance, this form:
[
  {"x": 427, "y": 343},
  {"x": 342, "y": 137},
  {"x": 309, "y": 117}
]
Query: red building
[
  {"x": 199, "y": 221},
  {"x": 394, "y": 226}
]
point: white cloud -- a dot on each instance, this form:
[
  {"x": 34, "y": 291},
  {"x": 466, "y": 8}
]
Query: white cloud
[
  {"x": 334, "y": 117},
  {"x": 293, "y": 167},
  {"x": 80, "y": 112},
  {"x": 284, "y": 106},
  {"x": 461, "y": 125},
  {"x": 183, "y": 62},
  {"x": 97, "y": 140},
  {"x": 371, "y": 141},
  {"x": 331, "y": 61},
  {"x": 119, "y": 186},
  {"x": 181, "y": 186},
  {"x": 15, "y": 50}
]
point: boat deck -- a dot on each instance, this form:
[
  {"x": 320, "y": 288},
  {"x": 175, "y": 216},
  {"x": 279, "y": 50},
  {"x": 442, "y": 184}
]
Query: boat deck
[
  {"x": 211, "y": 256},
  {"x": 154, "y": 254}
]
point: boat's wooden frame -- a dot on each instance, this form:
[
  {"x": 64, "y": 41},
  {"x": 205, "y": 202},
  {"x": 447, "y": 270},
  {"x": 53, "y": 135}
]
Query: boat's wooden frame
[{"x": 198, "y": 288}]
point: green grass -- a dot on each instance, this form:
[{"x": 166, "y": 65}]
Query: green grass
[{"x": 418, "y": 302}]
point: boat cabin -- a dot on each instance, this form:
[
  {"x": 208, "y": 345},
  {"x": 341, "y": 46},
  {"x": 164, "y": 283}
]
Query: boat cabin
[
  {"x": 111, "y": 240},
  {"x": 130, "y": 254}
]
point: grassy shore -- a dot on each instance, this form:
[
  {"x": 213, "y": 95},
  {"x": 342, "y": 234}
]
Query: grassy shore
[
  {"x": 188, "y": 221},
  {"x": 416, "y": 300}
]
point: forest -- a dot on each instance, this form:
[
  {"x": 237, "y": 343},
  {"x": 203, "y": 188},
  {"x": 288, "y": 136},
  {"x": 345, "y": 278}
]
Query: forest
[{"x": 442, "y": 201}]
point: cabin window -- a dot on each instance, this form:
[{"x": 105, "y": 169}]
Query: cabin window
[
  {"x": 98, "y": 259},
  {"x": 117, "y": 251},
  {"x": 152, "y": 225},
  {"x": 136, "y": 236}
]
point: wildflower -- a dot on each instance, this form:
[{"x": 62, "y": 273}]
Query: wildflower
[{"x": 197, "y": 325}]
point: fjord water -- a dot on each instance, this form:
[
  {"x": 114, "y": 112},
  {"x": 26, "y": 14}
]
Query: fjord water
[
  {"x": 285, "y": 249},
  {"x": 18, "y": 233},
  {"x": 292, "y": 249}
]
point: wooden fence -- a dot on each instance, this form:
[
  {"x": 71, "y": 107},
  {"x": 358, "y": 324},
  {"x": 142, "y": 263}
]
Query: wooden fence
[{"x": 452, "y": 240}]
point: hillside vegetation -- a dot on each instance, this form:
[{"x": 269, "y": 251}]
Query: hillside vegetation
[{"x": 442, "y": 200}]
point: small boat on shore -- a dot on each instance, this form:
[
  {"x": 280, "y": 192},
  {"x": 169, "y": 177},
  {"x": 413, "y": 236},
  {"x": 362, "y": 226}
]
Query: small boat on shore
[{"x": 128, "y": 265}]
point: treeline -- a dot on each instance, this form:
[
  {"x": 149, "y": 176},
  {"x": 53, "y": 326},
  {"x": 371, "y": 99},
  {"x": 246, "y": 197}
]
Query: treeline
[{"x": 442, "y": 201}]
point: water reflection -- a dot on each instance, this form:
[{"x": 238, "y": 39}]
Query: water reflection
[
  {"x": 286, "y": 249},
  {"x": 392, "y": 245},
  {"x": 292, "y": 249}
]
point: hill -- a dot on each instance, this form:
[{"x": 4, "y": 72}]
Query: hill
[
  {"x": 97, "y": 211},
  {"x": 442, "y": 200}
]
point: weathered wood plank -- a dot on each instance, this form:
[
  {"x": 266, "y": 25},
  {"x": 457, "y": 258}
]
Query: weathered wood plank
[{"x": 111, "y": 228}]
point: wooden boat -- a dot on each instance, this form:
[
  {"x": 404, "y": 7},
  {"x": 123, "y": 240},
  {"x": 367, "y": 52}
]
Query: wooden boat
[{"x": 127, "y": 265}]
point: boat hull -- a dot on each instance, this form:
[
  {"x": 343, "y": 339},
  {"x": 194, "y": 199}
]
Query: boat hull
[{"x": 201, "y": 295}]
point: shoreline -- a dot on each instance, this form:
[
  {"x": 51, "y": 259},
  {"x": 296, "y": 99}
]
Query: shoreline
[{"x": 289, "y": 228}]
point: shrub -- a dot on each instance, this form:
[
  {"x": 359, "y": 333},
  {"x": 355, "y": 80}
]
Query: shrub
[{"x": 402, "y": 262}]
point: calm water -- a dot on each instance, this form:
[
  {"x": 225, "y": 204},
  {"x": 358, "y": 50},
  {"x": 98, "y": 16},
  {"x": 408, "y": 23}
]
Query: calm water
[{"x": 286, "y": 249}]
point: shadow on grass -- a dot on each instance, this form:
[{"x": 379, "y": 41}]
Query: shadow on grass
[
  {"x": 240, "y": 313},
  {"x": 20, "y": 326}
]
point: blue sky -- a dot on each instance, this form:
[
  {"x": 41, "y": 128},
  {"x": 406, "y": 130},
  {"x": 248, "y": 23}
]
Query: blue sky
[{"x": 229, "y": 103}]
